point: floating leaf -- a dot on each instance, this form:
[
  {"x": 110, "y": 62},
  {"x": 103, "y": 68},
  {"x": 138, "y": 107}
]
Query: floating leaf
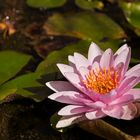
[
  {"x": 132, "y": 13},
  {"x": 84, "y": 25},
  {"x": 45, "y": 3},
  {"x": 11, "y": 63},
  {"x": 89, "y": 4},
  {"x": 19, "y": 84}
]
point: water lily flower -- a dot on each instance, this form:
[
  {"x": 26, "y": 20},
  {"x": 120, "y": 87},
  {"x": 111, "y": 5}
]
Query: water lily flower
[{"x": 97, "y": 86}]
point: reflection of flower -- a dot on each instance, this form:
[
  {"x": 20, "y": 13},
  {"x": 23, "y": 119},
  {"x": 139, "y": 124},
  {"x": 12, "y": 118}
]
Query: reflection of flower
[{"x": 98, "y": 86}]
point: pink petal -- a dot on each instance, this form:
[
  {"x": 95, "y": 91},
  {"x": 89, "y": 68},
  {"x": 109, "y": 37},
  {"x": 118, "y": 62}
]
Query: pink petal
[
  {"x": 119, "y": 68},
  {"x": 80, "y": 61},
  {"x": 71, "y": 59},
  {"x": 65, "y": 68},
  {"x": 73, "y": 78},
  {"x": 129, "y": 112},
  {"x": 95, "y": 105},
  {"x": 95, "y": 67},
  {"x": 133, "y": 70},
  {"x": 73, "y": 109},
  {"x": 60, "y": 86},
  {"x": 121, "y": 49},
  {"x": 107, "y": 98},
  {"x": 68, "y": 97},
  {"x": 122, "y": 100},
  {"x": 93, "y": 52},
  {"x": 113, "y": 111},
  {"x": 127, "y": 84},
  {"x": 124, "y": 57},
  {"x": 135, "y": 93},
  {"x": 69, "y": 120},
  {"x": 135, "y": 73},
  {"x": 95, "y": 114},
  {"x": 83, "y": 72},
  {"x": 106, "y": 59}
]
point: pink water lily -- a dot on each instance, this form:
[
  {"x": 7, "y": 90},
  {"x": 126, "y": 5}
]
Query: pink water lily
[{"x": 97, "y": 86}]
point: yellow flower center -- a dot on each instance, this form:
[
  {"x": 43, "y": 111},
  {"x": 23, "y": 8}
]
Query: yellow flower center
[{"x": 102, "y": 81}]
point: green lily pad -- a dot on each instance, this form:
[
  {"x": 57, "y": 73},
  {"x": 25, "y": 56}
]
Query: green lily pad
[
  {"x": 90, "y": 26},
  {"x": 11, "y": 63},
  {"x": 89, "y": 4},
  {"x": 45, "y": 3},
  {"x": 19, "y": 85},
  {"x": 132, "y": 13}
]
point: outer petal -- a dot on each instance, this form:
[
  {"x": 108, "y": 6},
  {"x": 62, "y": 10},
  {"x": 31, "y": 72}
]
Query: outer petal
[
  {"x": 83, "y": 72},
  {"x": 73, "y": 78},
  {"x": 80, "y": 61},
  {"x": 122, "y": 100},
  {"x": 69, "y": 120},
  {"x": 135, "y": 73},
  {"x": 65, "y": 68},
  {"x": 73, "y": 110},
  {"x": 127, "y": 84},
  {"x": 106, "y": 59},
  {"x": 113, "y": 111},
  {"x": 135, "y": 93},
  {"x": 93, "y": 52},
  {"x": 69, "y": 97},
  {"x": 133, "y": 70},
  {"x": 129, "y": 112},
  {"x": 95, "y": 114},
  {"x": 60, "y": 86},
  {"x": 95, "y": 105}
]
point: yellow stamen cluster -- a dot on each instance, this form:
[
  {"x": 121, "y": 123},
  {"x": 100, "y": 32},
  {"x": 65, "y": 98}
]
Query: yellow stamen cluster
[{"x": 101, "y": 81}]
